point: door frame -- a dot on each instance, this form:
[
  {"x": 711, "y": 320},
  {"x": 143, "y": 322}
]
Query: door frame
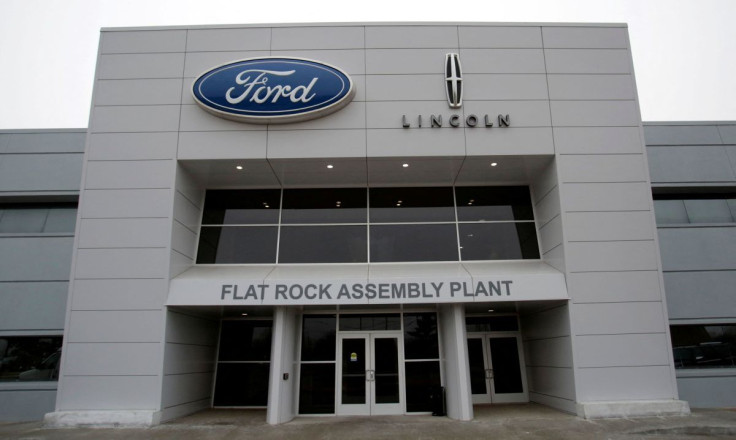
[
  {"x": 491, "y": 396},
  {"x": 370, "y": 407}
]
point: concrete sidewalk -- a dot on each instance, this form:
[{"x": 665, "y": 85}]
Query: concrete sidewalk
[{"x": 525, "y": 421}]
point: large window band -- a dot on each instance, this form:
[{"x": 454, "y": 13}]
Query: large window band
[{"x": 359, "y": 225}]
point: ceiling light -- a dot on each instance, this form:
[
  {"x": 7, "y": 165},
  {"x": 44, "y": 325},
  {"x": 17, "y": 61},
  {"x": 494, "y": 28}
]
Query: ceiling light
[
  {"x": 239, "y": 167},
  {"x": 244, "y": 314},
  {"x": 406, "y": 165},
  {"x": 330, "y": 166},
  {"x": 493, "y": 164},
  {"x": 491, "y": 310}
]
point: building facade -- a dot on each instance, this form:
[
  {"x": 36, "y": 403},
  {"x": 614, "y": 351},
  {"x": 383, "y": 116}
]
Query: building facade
[{"x": 471, "y": 219}]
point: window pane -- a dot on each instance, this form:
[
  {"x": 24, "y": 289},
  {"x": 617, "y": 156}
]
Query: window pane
[
  {"x": 491, "y": 324},
  {"x": 237, "y": 245},
  {"x": 317, "y": 389},
  {"x": 708, "y": 211},
  {"x": 61, "y": 220},
  {"x": 318, "y": 338},
  {"x": 494, "y": 203},
  {"x": 241, "y": 207},
  {"x": 242, "y": 384},
  {"x": 390, "y": 205},
  {"x": 23, "y": 220},
  {"x": 414, "y": 243},
  {"x": 420, "y": 336},
  {"x": 704, "y": 346},
  {"x": 323, "y": 244},
  {"x": 370, "y": 322},
  {"x": 422, "y": 378},
  {"x": 29, "y": 358},
  {"x": 245, "y": 341},
  {"x": 670, "y": 211},
  {"x": 506, "y": 367},
  {"x": 327, "y": 205},
  {"x": 498, "y": 241},
  {"x": 732, "y": 206}
]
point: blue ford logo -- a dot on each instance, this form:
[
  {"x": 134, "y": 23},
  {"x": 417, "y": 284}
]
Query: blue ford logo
[{"x": 273, "y": 90}]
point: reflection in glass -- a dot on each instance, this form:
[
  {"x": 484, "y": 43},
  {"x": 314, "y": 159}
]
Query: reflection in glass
[
  {"x": 506, "y": 368},
  {"x": 245, "y": 340},
  {"x": 389, "y": 205},
  {"x": 413, "y": 243},
  {"x": 318, "y": 337},
  {"x": 234, "y": 207},
  {"x": 323, "y": 244},
  {"x": 670, "y": 211},
  {"x": 317, "y": 388},
  {"x": 420, "y": 336},
  {"x": 708, "y": 211},
  {"x": 498, "y": 241},
  {"x": 237, "y": 245},
  {"x": 38, "y": 217},
  {"x": 704, "y": 346},
  {"x": 387, "y": 370},
  {"x": 241, "y": 384},
  {"x": 353, "y": 371},
  {"x": 324, "y": 205},
  {"x": 29, "y": 358},
  {"x": 490, "y": 203},
  {"x": 421, "y": 379}
]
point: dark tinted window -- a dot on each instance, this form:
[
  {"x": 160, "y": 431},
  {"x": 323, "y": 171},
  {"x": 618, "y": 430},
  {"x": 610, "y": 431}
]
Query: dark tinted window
[
  {"x": 327, "y": 205},
  {"x": 245, "y": 341},
  {"x": 490, "y": 203},
  {"x": 318, "y": 337},
  {"x": 317, "y": 389},
  {"x": 237, "y": 245},
  {"x": 323, "y": 244},
  {"x": 704, "y": 346},
  {"x": 422, "y": 379},
  {"x": 241, "y": 384},
  {"x": 389, "y": 205},
  {"x": 498, "y": 241},
  {"x": 29, "y": 358},
  {"x": 420, "y": 336},
  {"x": 491, "y": 324},
  {"x": 241, "y": 207},
  {"x": 414, "y": 243},
  {"x": 389, "y": 321}
]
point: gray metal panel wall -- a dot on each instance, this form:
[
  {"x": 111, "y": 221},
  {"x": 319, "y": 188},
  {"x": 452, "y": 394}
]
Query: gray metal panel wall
[
  {"x": 698, "y": 259},
  {"x": 617, "y": 308},
  {"x": 35, "y": 166}
]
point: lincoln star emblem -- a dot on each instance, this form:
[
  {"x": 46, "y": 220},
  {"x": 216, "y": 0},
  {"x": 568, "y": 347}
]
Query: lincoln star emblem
[{"x": 453, "y": 80}]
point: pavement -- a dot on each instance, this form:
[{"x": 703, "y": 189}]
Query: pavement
[{"x": 520, "y": 421}]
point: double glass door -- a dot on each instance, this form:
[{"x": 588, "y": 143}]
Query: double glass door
[
  {"x": 370, "y": 377},
  {"x": 496, "y": 368}
]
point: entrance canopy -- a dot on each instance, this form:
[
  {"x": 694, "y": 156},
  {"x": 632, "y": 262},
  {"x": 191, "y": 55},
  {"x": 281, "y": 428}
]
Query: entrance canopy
[{"x": 391, "y": 283}]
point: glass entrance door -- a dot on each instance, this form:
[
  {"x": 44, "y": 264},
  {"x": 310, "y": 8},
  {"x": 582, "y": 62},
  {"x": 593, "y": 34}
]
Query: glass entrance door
[
  {"x": 496, "y": 368},
  {"x": 370, "y": 380}
]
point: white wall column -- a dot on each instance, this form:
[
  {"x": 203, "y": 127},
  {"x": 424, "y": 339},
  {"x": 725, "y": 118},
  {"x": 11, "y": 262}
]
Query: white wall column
[
  {"x": 455, "y": 353},
  {"x": 281, "y": 391}
]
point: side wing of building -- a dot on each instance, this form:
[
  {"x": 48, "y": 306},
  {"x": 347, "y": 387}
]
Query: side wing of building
[{"x": 693, "y": 171}]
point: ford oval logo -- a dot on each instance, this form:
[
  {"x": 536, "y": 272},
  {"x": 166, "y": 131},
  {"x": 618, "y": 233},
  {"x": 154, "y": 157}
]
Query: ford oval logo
[{"x": 273, "y": 90}]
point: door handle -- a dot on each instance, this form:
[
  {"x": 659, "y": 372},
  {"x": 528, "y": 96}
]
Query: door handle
[{"x": 370, "y": 375}]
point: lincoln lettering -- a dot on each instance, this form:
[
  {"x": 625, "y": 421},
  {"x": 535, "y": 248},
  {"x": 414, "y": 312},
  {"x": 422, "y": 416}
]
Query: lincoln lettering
[{"x": 259, "y": 92}]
